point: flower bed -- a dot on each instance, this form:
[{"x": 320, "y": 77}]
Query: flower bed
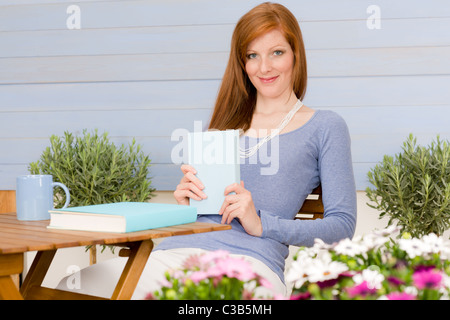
[{"x": 373, "y": 267}]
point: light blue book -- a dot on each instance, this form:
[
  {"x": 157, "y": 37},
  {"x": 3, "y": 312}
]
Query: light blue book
[
  {"x": 215, "y": 156},
  {"x": 121, "y": 216}
]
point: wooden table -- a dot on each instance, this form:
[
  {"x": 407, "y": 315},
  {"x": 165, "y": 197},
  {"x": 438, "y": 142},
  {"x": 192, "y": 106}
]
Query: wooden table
[{"x": 18, "y": 237}]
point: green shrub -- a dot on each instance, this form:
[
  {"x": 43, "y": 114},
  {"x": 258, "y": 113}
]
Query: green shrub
[
  {"x": 95, "y": 170},
  {"x": 413, "y": 188}
]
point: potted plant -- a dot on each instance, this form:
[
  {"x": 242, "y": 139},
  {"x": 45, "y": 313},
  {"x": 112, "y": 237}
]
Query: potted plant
[
  {"x": 95, "y": 170},
  {"x": 413, "y": 187}
]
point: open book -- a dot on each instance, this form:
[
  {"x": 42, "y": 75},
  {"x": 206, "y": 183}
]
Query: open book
[{"x": 215, "y": 156}]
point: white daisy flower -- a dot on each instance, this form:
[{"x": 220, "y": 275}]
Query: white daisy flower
[
  {"x": 373, "y": 278},
  {"x": 323, "y": 268},
  {"x": 414, "y": 247},
  {"x": 434, "y": 243},
  {"x": 350, "y": 248}
]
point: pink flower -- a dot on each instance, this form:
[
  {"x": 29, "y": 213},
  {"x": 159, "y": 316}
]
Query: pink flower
[
  {"x": 361, "y": 289},
  {"x": 265, "y": 283},
  {"x": 213, "y": 256},
  {"x": 427, "y": 279},
  {"x": 150, "y": 296},
  {"x": 236, "y": 268},
  {"x": 400, "y": 296},
  {"x": 192, "y": 263},
  {"x": 198, "y": 276},
  {"x": 215, "y": 272}
]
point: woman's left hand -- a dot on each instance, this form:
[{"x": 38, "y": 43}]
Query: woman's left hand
[{"x": 240, "y": 205}]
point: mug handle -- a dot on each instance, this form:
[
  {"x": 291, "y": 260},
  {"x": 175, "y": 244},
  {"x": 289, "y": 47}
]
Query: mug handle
[{"x": 66, "y": 191}]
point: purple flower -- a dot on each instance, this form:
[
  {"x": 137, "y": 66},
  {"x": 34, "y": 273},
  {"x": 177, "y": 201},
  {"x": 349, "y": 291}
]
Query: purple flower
[
  {"x": 427, "y": 279},
  {"x": 300, "y": 296},
  {"x": 400, "y": 296},
  {"x": 361, "y": 289},
  {"x": 423, "y": 268},
  {"x": 327, "y": 283},
  {"x": 395, "y": 281}
]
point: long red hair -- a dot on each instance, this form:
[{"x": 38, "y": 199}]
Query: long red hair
[{"x": 236, "y": 98}]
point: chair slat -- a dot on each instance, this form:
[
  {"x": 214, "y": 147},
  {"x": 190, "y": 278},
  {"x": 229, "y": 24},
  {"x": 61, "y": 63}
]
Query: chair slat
[{"x": 312, "y": 207}]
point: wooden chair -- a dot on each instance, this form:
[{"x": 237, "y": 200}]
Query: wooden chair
[
  {"x": 8, "y": 204},
  {"x": 7, "y": 201},
  {"x": 312, "y": 207}
]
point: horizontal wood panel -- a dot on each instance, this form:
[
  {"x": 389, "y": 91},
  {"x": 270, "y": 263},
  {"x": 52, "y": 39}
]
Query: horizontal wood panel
[
  {"x": 360, "y": 170},
  {"x": 162, "y": 123},
  {"x": 103, "y": 14},
  {"x": 378, "y": 91},
  {"x": 216, "y": 38},
  {"x": 113, "y": 68},
  {"x": 24, "y": 151},
  {"x": 156, "y": 130},
  {"x": 138, "y": 123},
  {"x": 23, "y": 2},
  {"x": 130, "y": 95},
  {"x": 134, "y": 13},
  {"x": 144, "y": 40},
  {"x": 396, "y": 120},
  {"x": 163, "y": 176},
  {"x": 379, "y": 62},
  {"x": 321, "y": 92},
  {"x": 198, "y": 66},
  {"x": 407, "y": 32}
]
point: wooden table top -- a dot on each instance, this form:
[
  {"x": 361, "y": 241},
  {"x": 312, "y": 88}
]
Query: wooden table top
[{"x": 22, "y": 236}]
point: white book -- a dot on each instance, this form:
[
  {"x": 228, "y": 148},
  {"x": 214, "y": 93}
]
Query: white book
[{"x": 215, "y": 157}]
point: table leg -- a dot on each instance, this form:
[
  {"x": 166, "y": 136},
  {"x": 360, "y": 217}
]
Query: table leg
[
  {"x": 8, "y": 290},
  {"x": 133, "y": 269},
  {"x": 37, "y": 272},
  {"x": 10, "y": 264}
]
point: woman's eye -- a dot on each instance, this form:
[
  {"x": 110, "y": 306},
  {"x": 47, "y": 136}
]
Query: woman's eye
[
  {"x": 278, "y": 53},
  {"x": 251, "y": 56}
]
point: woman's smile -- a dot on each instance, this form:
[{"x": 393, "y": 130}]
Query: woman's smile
[{"x": 268, "y": 80}]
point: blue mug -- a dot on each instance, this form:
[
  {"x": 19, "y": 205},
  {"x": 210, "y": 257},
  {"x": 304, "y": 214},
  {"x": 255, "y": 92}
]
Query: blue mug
[{"x": 34, "y": 197}]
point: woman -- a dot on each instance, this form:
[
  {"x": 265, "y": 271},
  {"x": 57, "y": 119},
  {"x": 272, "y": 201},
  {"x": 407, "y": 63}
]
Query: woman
[{"x": 264, "y": 80}]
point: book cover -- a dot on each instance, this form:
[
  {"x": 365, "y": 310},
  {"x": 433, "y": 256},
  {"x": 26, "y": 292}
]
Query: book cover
[
  {"x": 121, "y": 216},
  {"x": 215, "y": 156}
]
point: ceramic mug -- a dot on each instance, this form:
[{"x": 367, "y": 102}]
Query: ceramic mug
[{"x": 34, "y": 196}]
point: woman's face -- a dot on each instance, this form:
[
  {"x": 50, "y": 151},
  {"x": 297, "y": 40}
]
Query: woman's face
[{"x": 269, "y": 65}]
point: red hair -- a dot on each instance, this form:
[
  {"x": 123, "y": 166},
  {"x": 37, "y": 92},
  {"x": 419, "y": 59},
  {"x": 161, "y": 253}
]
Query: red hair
[{"x": 236, "y": 99}]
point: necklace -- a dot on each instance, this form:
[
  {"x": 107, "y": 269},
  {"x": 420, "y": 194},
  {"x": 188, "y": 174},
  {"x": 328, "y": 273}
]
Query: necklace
[{"x": 246, "y": 153}]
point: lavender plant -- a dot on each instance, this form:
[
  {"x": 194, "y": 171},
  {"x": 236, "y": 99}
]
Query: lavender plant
[
  {"x": 413, "y": 188},
  {"x": 95, "y": 170}
]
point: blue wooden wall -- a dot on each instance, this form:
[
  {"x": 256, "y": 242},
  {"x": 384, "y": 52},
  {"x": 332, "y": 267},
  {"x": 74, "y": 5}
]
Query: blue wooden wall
[{"x": 145, "y": 68}]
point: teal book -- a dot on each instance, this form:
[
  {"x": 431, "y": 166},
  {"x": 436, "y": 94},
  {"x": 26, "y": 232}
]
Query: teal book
[
  {"x": 121, "y": 216},
  {"x": 215, "y": 157}
]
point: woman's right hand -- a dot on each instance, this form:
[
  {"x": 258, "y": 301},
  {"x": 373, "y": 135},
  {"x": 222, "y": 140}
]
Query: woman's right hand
[{"x": 189, "y": 187}]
